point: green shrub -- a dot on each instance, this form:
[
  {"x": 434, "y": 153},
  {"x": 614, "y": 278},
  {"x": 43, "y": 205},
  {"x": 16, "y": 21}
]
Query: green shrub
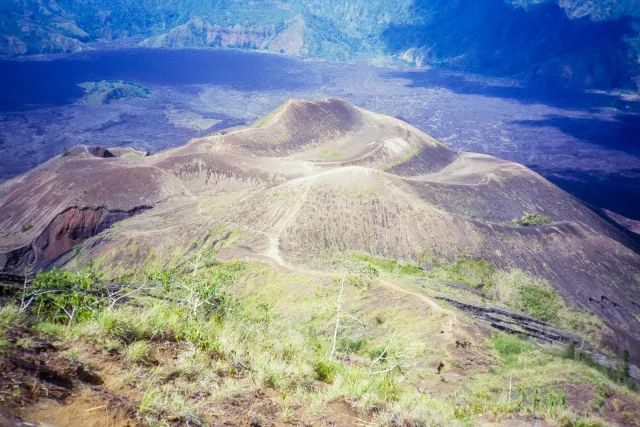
[
  {"x": 161, "y": 275},
  {"x": 332, "y": 154},
  {"x": 541, "y": 302},
  {"x": 325, "y": 371},
  {"x": 351, "y": 346},
  {"x": 625, "y": 367},
  {"x": 569, "y": 351},
  {"x": 117, "y": 326},
  {"x": 389, "y": 389},
  {"x": 410, "y": 269},
  {"x": 523, "y": 292},
  {"x": 64, "y": 296},
  {"x": 377, "y": 352},
  {"x": 10, "y": 317},
  {"x": 532, "y": 220},
  {"x": 476, "y": 273},
  {"x": 202, "y": 334}
]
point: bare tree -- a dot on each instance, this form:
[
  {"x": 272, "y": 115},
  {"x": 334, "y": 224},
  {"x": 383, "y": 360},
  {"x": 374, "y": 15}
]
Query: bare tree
[{"x": 335, "y": 331}]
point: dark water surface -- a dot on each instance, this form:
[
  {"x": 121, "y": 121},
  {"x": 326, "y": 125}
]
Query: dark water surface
[{"x": 587, "y": 143}]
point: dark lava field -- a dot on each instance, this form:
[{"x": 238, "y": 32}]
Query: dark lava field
[{"x": 588, "y": 143}]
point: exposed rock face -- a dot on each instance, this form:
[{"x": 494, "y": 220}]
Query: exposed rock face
[
  {"x": 199, "y": 33},
  {"x": 514, "y": 322},
  {"x": 291, "y": 41},
  {"x": 67, "y": 229},
  {"x": 318, "y": 177}
]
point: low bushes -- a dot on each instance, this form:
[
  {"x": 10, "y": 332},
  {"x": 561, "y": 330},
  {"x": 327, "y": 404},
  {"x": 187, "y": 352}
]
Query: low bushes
[{"x": 533, "y": 220}]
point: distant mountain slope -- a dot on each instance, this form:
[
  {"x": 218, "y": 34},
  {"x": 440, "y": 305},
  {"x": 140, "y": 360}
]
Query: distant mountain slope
[
  {"x": 318, "y": 178},
  {"x": 577, "y": 43},
  {"x": 31, "y": 27},
  {"x": 534, "y": 39}
]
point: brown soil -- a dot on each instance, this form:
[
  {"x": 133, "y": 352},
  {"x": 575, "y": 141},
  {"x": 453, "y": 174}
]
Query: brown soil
[
  {"x": 42, "y": 385},
  {"x": 613, "y": 405}
]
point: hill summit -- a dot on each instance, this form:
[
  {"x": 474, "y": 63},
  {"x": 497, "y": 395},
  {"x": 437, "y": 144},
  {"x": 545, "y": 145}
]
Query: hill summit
[{"x": 317, "y": 183}]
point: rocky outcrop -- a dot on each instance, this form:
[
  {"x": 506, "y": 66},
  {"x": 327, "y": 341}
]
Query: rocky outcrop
[
  {"x": 200, "y": 33},
  {"x": 291, "y": 41},
  {"x": 518, "y": 323},
  {"x": 68, "y": 229}
]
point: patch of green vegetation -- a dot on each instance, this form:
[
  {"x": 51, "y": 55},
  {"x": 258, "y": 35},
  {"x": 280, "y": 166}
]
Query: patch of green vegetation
[
  {"x": 245, "y": 336},
  {"x": 510, "y": 346},
  {"x": 332, "y": 154},
  {"x": 523, "y": 401},
  {"x": 541, "y": 302},
  {"x": 514, "y": 288},
  {"x": 532, "y": 220},
  {"x": 411, "y": 154},
  {"x": 266, "y": 119},
  {"x": 10, "y": 316},
  {"x": 619, "y": 375},
  {"x": 523, "y": 292},
  {"x": 138, "y": 352},
  {"x": 476, "y": 273},
  {"x": 473, "y": 214},
  {"x": 243, "y": 327},
  {"x": 76, "y": 249},
  {"x": 63, "y": 296},
  {"x": 325, "y": 371},
  {"x": 108, "y": 91},
  {"x": 528, "y": 384},
  {"x": 387, "y": 264},
  {"x": 159, "y": 404},
  {"x": 347, "y": 345}
]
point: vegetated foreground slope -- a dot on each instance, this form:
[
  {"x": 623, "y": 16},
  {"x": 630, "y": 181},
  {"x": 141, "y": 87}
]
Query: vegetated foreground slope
[{"x": 316, "y": 182}]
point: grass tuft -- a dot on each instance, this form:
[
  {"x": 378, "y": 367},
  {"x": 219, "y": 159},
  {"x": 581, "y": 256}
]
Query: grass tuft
[{"x": 138, "y": 352}]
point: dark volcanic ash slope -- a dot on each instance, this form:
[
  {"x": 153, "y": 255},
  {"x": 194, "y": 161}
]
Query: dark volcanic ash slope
[{"x": 316, "y": 178}]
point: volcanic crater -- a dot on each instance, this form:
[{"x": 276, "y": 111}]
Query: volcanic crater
[{"x": 318, "y": 177}]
